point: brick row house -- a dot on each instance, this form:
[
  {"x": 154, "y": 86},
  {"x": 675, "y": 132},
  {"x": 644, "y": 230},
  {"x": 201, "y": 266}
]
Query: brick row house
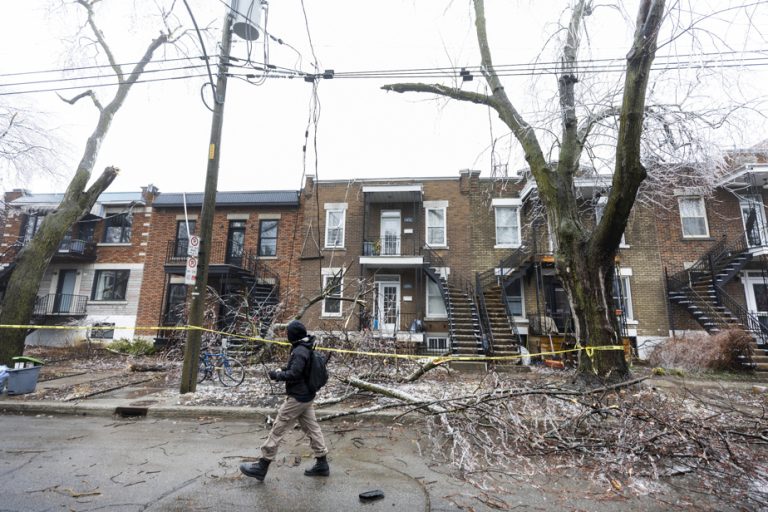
[
  {"x": 252, "y": 264},
  {"x": 454, "y": 264},
  {"x": 94, "y": 279}
]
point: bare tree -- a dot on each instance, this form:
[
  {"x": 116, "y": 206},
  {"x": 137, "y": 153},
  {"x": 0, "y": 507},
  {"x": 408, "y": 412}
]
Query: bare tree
[
  {"x": 33, "y": 259},
  {"x": 584, "y": 256}
]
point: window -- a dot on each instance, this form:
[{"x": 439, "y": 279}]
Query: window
[
  {"x": 103, "y": 331},
  {"x": 117, "y": 228},
  {"x": 175, "y": 308},
  {"x": 436, "y": 227},
  {"x": 110, "y": 285},
  {"x": 332, "y": 286},
  {"x": 334, "y": 228},
  {"x": 435, "y": 303},
  {"x": 514, "y": 293},
  {"x": 268, "y": 238},
  {"x": 599, "y": 211},
  {"x": 622, "y": 298},
  {"x": 182, "y": 237},
  {"x": 693, "y": 217},
  {"x": 32, "y": 226},
  {"x": 507, "y": 226},
  {"x": 437, "y": 344}
]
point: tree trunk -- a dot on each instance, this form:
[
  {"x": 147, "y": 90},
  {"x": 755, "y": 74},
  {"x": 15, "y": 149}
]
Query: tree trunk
[{"x": 21, "y": 293}]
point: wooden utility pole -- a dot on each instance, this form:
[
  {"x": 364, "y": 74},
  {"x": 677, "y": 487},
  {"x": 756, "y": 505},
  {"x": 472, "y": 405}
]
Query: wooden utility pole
[{"x": 197, "y": 308}]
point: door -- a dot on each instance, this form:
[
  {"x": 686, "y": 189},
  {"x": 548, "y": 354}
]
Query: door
[
  {"x": 235, "y": 242},
  {"x": 388, "y": 307},
  {"x": 753, "y": 217},
  {"x": 757, "y": 298},
  {"x": 390, "y": 233},
  {"x": 65, "y": 289}
]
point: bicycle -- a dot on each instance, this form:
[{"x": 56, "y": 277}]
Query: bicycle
[{"x": 231, "y": 371}]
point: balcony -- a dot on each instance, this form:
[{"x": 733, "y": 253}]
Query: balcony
[
  {"x": 73, "y": 250},
  {"x": 392, "y": 251},
  {"x": 221, "y": 254},
  {"x": 60, "y": 304}
]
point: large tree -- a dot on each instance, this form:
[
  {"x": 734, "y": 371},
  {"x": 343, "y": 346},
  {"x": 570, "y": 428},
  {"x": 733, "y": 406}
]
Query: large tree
[
  {"x": 31, "y": 262},
  {"x": 585, "y": 255}
]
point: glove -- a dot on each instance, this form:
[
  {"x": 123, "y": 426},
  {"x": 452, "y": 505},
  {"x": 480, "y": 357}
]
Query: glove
[{"x": 273, "y": 374}]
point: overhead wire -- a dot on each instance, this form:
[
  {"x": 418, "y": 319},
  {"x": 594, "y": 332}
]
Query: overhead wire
[{"x": 207, "y": 63}]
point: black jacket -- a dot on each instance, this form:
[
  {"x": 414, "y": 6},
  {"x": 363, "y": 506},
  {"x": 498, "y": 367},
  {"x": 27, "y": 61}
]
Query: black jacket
[{"x": 295, "y": 373}]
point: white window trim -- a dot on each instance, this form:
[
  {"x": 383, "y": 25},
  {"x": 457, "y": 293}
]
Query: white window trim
[
  {"x": 506, "y": 201},
  {"x": 436, "y": 205},
  {"x": 329, "y": 273},
  {"x": 624, "y": 275},
  {"x": 495, "y": 228},
  {"x": 602, "y": 202},
  {"x": 343, "y": 226},
  {"x": 706, "y": 221},
  {"x": 430, "y": 315},
  {"x": 434, "y": 336}
]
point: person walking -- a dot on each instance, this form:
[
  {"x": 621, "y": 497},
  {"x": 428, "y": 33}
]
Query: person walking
[{"x": 298, "y": 406}]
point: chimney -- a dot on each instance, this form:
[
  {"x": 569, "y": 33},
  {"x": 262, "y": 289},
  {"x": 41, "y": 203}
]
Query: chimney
[
  {"x": 149, "y": 194},
  {"x": 15, "y": 194},
  {"x": 309, "y": 186}
]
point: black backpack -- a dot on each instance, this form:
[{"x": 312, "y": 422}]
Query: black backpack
[{"x": 317, "y": 373}]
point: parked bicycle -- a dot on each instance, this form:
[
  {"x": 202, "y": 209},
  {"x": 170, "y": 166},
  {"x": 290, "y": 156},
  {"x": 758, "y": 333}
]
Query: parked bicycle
[{"x": 230, "y": 371}]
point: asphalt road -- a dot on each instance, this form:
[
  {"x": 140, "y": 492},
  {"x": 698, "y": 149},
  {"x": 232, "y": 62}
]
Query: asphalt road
[{"x": 72, "y": 463}]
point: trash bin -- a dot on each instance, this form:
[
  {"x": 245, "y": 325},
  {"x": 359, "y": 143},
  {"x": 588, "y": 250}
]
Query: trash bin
[{"x": 23, "y": 377}]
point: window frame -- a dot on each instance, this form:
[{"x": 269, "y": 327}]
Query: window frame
[
  {"x": 109, "y": 219},
  {"x": 327, "y": 275},
  {"x": 342, "y": 228},
  {"x": 444, "y": 227},
  {"x": 599, "y": 211},
  {"x": 430, "y": 349},
  {"x": 506, "y": 245},
  {"x": 703, "y": 204},
  {"x": 522, "y": 297},
  {"x": 38, "y": 220},
  {"x": 625, "y": 287},
  {"x": 116, "y": 271},
  {"x": 262, "y": 238},
  {"x": 102, "y": 331},
  {"x": 431, "y": 314}
]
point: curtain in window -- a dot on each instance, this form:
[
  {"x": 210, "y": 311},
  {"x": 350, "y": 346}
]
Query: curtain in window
[
  {"x": 436, "y": 227},
  {"x": 693, "y": 216},
  {"x": 507, "y": 230},
  {"x": 335, "y": 230}
]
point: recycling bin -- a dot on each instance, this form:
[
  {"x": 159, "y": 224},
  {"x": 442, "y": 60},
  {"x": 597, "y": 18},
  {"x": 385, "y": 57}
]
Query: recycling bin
[{"x": 23, "y": 377}]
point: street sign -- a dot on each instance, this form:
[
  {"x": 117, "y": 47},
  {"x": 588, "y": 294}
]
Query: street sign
[
  {"x": 190, "y": 276},
  {"x": 193, "y": 246}
]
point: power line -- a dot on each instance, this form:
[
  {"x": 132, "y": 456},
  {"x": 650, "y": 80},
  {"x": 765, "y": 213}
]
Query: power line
[
  {"x": 91, "y": 77},
  {"x": 96, "y": 66},
  {"x": 93, "y": 86}
]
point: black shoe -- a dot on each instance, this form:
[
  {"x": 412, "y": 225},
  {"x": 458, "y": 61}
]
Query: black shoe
[
  {"x": 319, "y": 469},
  {"x": 257, "y": 470}
]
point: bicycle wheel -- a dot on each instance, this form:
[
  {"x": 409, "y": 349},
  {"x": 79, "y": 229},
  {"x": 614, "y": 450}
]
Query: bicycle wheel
[
  {"x": 203, "y": 372},
  {"x": 231, "y": 372}
]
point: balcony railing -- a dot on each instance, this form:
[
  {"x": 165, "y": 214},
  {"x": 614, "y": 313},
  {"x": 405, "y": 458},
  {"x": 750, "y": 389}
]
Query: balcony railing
[
  {"x": 221, "y": 253},
  {"x": 391, "y": 245},
  {"x": 77, "y": 249},
  {"x": 60, "y": 304}
]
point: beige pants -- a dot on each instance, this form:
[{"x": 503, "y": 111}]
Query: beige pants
[{"x": 290, "y": 412}]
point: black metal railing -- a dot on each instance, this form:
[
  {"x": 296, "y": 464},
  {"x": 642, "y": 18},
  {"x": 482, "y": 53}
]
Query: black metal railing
[
  {"x": 391, "y": 245},
  {"x": 749, "y": 321},
  {"x": 485, "y": 321},
  {"x": 220, "y": 253},
  {"x": 60, "y": 304},
  {"x": 75, "y": 247}
]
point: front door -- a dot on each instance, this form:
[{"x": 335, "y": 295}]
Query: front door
[
  {"x": 753, "y": 216},
  {"x": 235, "y": 242},
  {"x": 388, "y": 307},
  {"x": 65, "y": 290},
  {"x": 390, "y": 233},
  {"x": 757, "y": 297}
]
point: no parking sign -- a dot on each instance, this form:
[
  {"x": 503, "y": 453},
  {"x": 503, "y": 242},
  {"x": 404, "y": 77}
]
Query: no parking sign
[{"x": 190, "y": 276}]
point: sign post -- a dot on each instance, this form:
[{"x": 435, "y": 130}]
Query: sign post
[{"x": 190, "y": 276}]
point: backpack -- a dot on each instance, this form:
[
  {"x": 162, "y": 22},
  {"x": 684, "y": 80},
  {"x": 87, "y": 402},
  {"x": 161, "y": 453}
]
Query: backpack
[{"x": 317, "y": 374}]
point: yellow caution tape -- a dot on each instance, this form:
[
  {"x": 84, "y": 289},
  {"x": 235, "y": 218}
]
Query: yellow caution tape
[{"x": 589, "y": 350}]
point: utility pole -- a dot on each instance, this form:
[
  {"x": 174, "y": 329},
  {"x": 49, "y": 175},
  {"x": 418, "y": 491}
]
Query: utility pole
[{"x": 197, "y": 308}]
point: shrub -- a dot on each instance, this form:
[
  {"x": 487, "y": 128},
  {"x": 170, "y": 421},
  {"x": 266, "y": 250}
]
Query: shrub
[
  {"x": 137, "y": 348},
  {"x": 729, "y": 350}
]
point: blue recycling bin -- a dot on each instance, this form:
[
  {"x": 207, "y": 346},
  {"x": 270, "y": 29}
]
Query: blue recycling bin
[{"x": 23, "y": 380}]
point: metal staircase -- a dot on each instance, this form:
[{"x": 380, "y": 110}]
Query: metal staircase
[{"x": 699, "y": 289}]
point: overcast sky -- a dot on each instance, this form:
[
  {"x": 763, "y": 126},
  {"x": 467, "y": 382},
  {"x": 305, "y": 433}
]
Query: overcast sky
[{"x": 161, "y": 134}]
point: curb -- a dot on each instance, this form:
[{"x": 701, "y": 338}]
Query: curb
[{"x": 125, "y": 409}]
